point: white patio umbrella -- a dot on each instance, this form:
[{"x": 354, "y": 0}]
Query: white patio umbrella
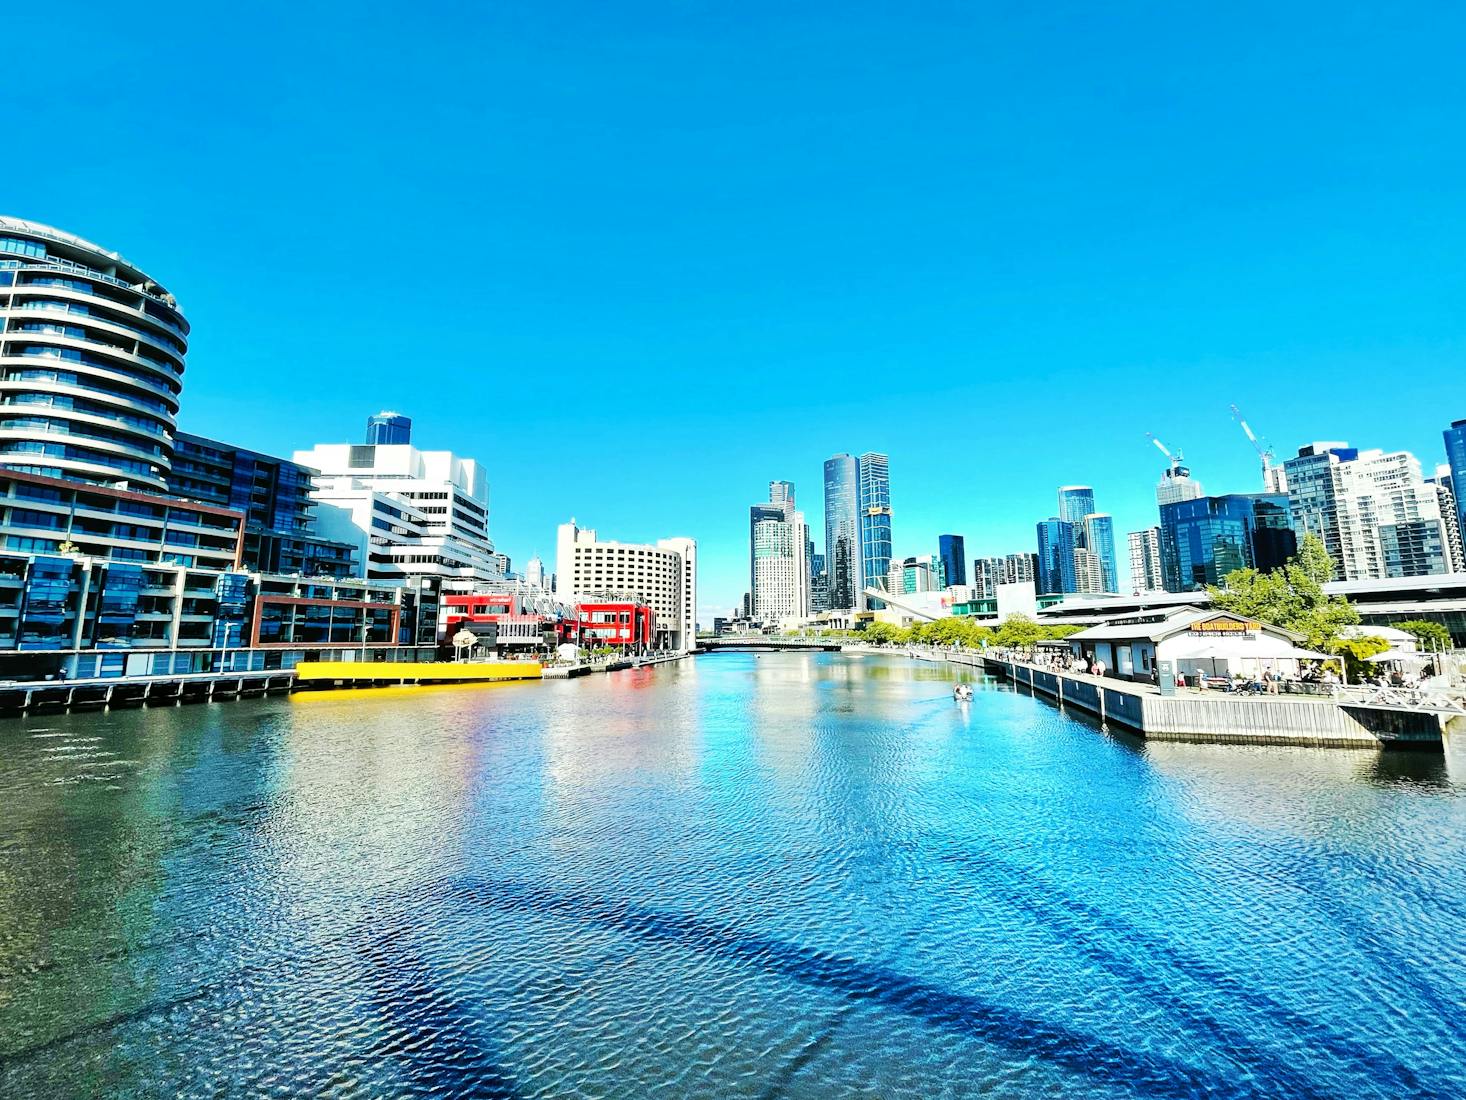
[{"x": 1404, "y": 656}]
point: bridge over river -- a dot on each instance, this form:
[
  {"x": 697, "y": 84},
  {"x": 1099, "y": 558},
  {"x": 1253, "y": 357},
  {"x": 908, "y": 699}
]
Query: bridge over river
[{"x": 765, "y": 641}]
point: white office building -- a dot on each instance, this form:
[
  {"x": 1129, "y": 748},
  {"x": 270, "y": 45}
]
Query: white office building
[
  {"x": 662, "y": 576},
  {"x": 411, "y": 513},
  {"x": 778, "y": 546}
]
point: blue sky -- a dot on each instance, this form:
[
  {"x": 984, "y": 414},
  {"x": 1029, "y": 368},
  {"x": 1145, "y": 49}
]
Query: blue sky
[{"x": 640, "y": 259}]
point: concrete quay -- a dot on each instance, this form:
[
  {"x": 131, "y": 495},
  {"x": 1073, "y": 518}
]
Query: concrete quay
[
  {"x": 1220, "y": 717},
  {"x": 28, "y": 696}
]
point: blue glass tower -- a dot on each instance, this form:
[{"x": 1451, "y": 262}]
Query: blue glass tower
[
  {"x": 388, "y": 428},
  {"x": 1203, "y": 540},
  {"x": 1455, "y": 437},
  {"x": 953, "y": 552},
  {"x": 1056, "y": 556},
  {"x": 874, "y": 473},
  {"x": 1099, "y": 539},
  {"x": 1076, "y": 502},
  {"x": 842, "y": 531}
]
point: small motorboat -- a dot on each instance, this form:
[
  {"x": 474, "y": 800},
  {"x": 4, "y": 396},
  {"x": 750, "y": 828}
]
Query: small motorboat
[{"x": 962, "y": 693}]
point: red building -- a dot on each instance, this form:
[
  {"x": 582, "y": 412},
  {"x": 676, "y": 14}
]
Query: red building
[
  {"x": 512, "y": 626},
  {"x": 623, "y": 623}
]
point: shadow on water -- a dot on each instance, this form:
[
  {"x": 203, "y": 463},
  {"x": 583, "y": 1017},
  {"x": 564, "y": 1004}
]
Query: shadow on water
[
  {"x": 1058, "y": 912},
  {"x": 441, "y": 1046},
  {"x": 1105, "y": 1062}
]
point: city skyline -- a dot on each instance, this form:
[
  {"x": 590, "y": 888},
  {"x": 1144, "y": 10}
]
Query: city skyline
[{"x": 1149, "y": 269}]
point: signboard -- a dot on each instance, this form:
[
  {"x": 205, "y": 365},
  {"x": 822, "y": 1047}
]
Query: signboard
[{"x": 1222, "y": 626}]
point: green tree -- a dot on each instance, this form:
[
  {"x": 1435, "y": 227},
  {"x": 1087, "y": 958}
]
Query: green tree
[
  {"x": 1291, "y": 597},
  {"x": 1430, "y": 635},
  {"x": 1018, "y": 631},
  {"x": 1356, "y": 651},
  {"x": 884, "y": 634}
]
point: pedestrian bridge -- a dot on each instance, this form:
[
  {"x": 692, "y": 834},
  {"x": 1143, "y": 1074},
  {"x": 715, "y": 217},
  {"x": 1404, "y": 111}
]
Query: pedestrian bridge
[{"x": 765, "y": 641}]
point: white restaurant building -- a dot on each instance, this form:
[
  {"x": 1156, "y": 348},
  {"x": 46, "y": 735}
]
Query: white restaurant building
[{"x": 1214, "y": 643}]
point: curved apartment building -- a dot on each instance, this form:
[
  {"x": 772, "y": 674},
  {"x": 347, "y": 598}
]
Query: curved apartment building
[{"x": 91, "y": 361}]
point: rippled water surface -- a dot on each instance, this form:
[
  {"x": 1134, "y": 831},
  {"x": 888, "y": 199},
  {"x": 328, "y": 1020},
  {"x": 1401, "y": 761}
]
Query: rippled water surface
[{"x": 790, "y": 875}]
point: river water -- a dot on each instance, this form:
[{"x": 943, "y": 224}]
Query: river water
[{"x": 786, "y": 875}]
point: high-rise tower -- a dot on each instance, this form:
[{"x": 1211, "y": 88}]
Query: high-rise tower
[
  {"x": 875, "y": 514},
  {"x": 842, "y": 532},
  {"x": 91, "y": 361}
]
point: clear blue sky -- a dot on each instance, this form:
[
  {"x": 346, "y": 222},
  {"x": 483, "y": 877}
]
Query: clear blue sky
[{"x": 640, "y": 259}]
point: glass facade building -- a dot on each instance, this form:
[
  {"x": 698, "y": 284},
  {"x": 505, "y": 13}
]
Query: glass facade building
[
  {"x": 1099, "y": 540},
  {"x": 843, "y": 564},
  {"x": 874, "y": 471},
  {"x": 275, "y": 496},
  {"x": 1455, "y": 438},
  {"x": 91, "y": 361},
  {"x": 952, "y": 549},
  {"x": 390, "y": 428},
  {"x": 1203, "y": 540},
  {"x": 1056, "y": 557},
  {"x": 1076, "y": 502}
]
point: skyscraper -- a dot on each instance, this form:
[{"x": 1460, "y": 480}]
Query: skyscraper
[
  {"x": 1373, "y": 510},
  {"x": 1021, "y": 568},
  {"x": 777, "y": 548},
  {"x": 92, "y": 355},
  {"x": 987, "y": 574},
  {"x": 1455, "y": 437},
  {"x": 843, "y": 563},
  {"x": 953, "y": 553},
  {"x": 1450, "y": 517},
  {"x": 389, "y": 428},
  {"x": 1099, "y": 540},
  {"x": 1145, "y": 561},
  {"x": 1056, "y": 556},
  {"x": 1176, "y": 484},
  {"x": 1203, "y": 540},
  {"x": 873, "y": 470},
  {"x": 1075, "y": 502}
]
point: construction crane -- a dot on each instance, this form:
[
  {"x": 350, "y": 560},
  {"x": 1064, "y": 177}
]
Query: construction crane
[
  {"x": 1174, "y": 459},
  {"x": 1273, "y": 478}
]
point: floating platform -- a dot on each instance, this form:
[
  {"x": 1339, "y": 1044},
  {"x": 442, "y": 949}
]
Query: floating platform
[{"x": 328, "y": 674}]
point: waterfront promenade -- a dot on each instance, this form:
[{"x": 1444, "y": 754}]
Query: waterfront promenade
[{"x": 1343, "y": 721}]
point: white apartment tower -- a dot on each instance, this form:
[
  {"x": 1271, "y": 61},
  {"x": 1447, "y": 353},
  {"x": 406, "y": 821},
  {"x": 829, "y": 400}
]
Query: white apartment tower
[
  {"x": 1145, "y": 560},
  {"x": 411, "y": 513},
  {"x": 662, "y": 576},
  {"x": 1376, "y": 514}
]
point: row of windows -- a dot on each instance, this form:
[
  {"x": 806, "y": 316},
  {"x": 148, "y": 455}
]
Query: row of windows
[
  {"x": 68, "y": 403},
  {"x": 48, "y": 426},
  {"x": 74, "y": 355},
  {"x": 71, "y": 378},
  {"x": 157, "y": 311},
  {"x": 79, "y": 454},
  {"x": 78, "y": 309}
]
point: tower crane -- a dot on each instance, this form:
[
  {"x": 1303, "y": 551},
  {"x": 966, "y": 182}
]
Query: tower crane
[
  {"x": 1162, "y": 448},
  {"x": 1273, "y": 478}
]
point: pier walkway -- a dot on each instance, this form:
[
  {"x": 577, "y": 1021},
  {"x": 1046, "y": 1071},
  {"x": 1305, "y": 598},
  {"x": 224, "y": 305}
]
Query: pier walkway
[{"x": 1220, "y": 716}]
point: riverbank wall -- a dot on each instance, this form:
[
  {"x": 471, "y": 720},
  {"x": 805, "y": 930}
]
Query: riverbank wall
[
  {"x": 54, "y": 696},
  {"x": 1219, "y": 717}
]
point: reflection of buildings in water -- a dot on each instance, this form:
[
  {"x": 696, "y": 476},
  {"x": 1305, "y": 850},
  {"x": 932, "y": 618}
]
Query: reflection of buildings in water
[{"x": 635, "y": 728}]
